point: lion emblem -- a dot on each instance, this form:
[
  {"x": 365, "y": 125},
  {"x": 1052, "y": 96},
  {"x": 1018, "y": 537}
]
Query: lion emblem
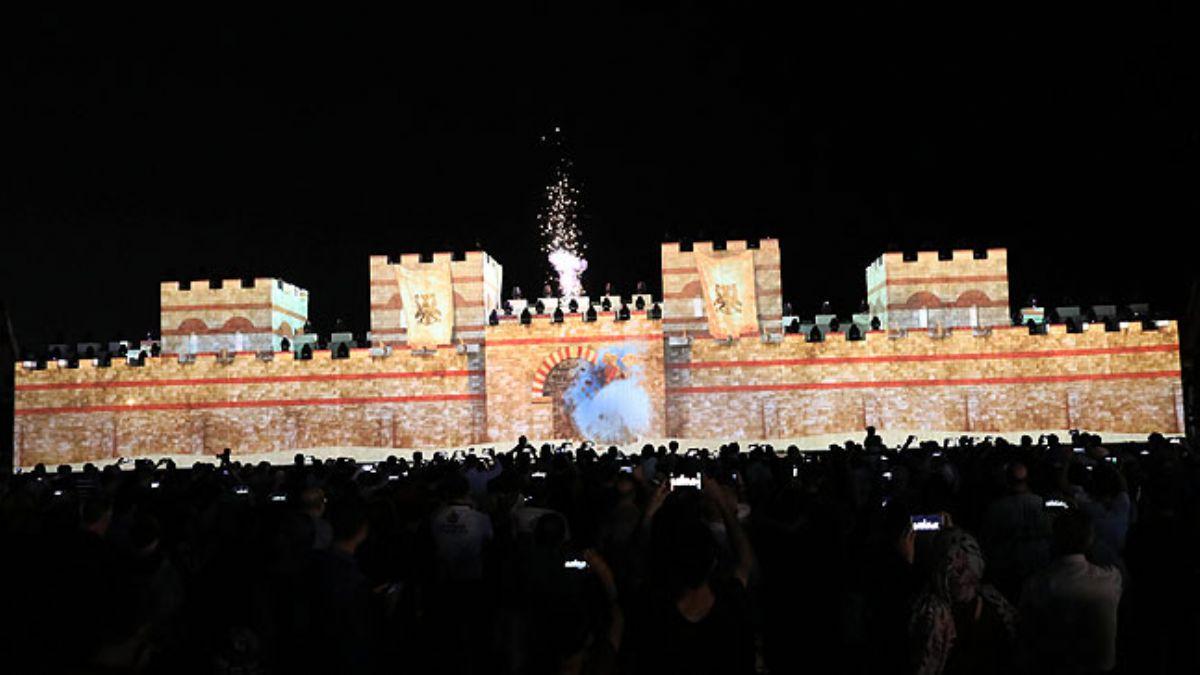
[
  {"x": 427, "y": 311},
  {"x": 726, "y": 300}
]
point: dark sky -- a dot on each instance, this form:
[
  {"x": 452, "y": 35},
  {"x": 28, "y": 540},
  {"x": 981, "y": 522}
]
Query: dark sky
[{"x": 145, "y": 147}]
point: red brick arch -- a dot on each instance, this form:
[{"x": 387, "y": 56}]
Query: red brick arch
[
  {"x": 239, "y": 323},
  {"x": 553, "y": 359},
  {"x": 973, "y": 298},
  {"x": 922, "y": 299},
  {"x": 192, "y": 326}
]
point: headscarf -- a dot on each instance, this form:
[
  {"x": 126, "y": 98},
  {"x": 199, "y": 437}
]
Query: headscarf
[{"x": 957, "y": 578}]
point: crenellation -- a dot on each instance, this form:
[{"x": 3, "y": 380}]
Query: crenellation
[{"x": 489, "y": 383}]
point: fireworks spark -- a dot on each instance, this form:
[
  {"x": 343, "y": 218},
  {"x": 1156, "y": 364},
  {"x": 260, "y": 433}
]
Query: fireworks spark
[{"x": 558, "y": 224}]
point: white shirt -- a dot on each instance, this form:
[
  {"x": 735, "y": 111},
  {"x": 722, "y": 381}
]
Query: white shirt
[
  {"x": 1069, "y": 613},
  {"x": 459, "y": 534}
]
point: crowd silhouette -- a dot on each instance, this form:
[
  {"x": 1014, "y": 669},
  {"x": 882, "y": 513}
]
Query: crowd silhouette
[{"x": 1044, "y": 556}]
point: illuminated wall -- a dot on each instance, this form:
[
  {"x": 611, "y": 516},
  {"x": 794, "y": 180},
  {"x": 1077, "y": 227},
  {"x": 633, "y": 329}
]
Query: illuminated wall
[
  {"x": 961, "y": 292},
  {"x": 653, "y": 377},
  {"x": 476, "y": 279},
  {"x": 1008, "y": 380},
  {"x": 230, "y": 316}
]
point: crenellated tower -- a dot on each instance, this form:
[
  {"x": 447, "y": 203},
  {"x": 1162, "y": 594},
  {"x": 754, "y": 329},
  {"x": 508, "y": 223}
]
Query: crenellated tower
[
  {"x": 476, "y": 280},
  {"x": 683, "y": 295},
  {"x": 231, "y": 315},
  {"x": 965, "y": 290}
]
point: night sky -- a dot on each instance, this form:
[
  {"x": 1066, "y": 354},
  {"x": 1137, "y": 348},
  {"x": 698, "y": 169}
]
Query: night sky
[{"x": 148, "y": 147}]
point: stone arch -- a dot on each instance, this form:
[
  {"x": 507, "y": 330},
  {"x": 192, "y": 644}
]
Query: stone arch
[
  {"x": 923, "y": 300},
  {"x": 285, "y": 329},
  {"x": 692, "y": 289},
  {"x": 560, "y": 378},
  {"x": 394, "y": 302},
  {"x": 553, "y": 359},
  {"x": 192, "y": 326},
  {"x": 238, "y": 323},
  {"x": 973, "y": 298}
]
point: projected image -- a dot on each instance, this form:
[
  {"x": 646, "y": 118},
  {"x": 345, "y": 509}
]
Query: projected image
[{"x": 605, "y": 401}]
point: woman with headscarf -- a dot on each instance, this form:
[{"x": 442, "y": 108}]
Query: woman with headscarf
[{"x": 959, "y": 624}]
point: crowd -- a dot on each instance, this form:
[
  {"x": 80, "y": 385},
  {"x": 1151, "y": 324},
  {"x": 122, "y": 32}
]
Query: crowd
[{"x": 1044, "y": 556}]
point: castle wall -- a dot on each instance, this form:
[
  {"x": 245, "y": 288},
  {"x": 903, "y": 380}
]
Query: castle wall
[
  {"x": 517, "y": 354},
  {"x": 230, "y": 317},
  {"x": 1127, "y": 381},
  {"x": 476, "y": 281},
  {"x": 960, "y": 292},
  {"x": 683, "y": 296},
  {"x": 93, "y": 413}
]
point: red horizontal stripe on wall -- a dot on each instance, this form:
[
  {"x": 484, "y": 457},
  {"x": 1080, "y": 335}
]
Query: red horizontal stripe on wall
[
  {"x": 215, "y": 331},
  {"x": 216, "y": 306},
  {"x": 268, "y": 379},
  {"x": 457, "y": 280},
  {"x": 908, "y": 358},
  {"x": 948, "y": 304},
  {"x": 575, "y": 339},
  {"x": 949, "y": 279},
  {"x": 210, "y": 405},
  {"x": 891, "y": 384},
  {"x": 220, "y": 307}
]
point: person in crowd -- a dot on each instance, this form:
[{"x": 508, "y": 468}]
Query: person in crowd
[
  {"x": 1069, "y": 608},
  {"x": 341, "y": 594},
  {"x": 312, "y": 504},
  {"x": 697, "y": 622},
  {"x": 1015, "y": 532},
  {"x": 958, "y": 623}
]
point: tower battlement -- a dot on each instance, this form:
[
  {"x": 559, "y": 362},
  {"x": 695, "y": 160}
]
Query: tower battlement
[
  {"x": 230, "y": 315},
  {"x": 683, "y": 296},
  {"x": 476, "y": 279},
  {"x": 963, "y": 290}
]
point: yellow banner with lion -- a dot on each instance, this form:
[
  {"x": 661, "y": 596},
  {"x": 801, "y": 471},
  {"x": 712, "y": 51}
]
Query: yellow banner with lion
[
  {"x": 428, "y": 296},
  {"x": 729, "y": 294}
]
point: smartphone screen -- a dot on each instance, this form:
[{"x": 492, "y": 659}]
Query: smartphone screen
[
  {"x": 927, "y": 523},
  {"x": 685, "y": 481},
  {"x": 1055, "y": 504},
  {"x": 575, "y": 564},
  {"x": 627, "y": 469}
]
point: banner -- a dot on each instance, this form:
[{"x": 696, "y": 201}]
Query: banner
[
  {"x": 729, "y": 297},
  {"x": 428, "y": 297}
]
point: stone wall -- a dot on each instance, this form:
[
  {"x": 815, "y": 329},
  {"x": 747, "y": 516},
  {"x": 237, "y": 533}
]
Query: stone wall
[
  {"x": 683, "y": 298},
  {"x": 963, "y": 291},
  {"x": 209, "y": 317},
  {"x": 476, "y": 278},
  {"x": 520, "y": 356},
  {"x": 1127, "y": 381},
  {"x": 251, "y": 406}
]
